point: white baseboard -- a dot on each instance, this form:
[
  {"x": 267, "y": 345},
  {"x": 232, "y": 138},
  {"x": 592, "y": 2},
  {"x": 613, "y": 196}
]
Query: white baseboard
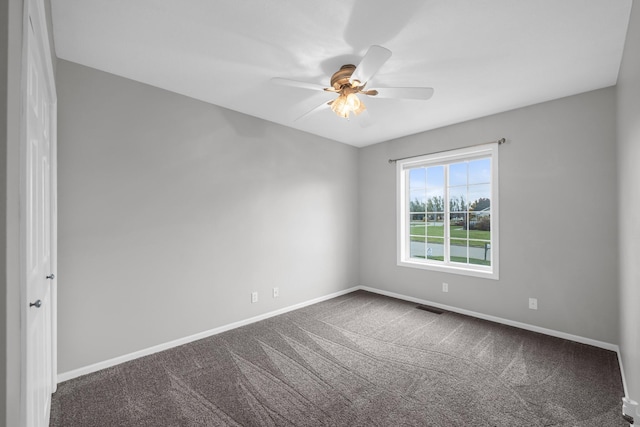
[
  {"x": 533, "y": 328},
  {"x": 624, "y": 381},
  {"x": 65, "y": 376}
]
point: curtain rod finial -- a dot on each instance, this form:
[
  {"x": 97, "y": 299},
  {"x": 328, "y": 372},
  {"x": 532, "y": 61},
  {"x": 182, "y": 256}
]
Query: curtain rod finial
[{"x": 501, "y": 141}]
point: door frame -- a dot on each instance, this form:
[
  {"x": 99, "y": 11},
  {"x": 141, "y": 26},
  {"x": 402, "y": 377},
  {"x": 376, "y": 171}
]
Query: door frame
[{"x": 34, "y": 14}]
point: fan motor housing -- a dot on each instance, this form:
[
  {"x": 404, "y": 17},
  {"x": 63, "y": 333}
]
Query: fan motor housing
[{"x": 341, "y": 77}]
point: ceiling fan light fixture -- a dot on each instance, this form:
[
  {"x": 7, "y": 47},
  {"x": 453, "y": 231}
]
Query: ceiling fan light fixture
[
  {"x": 339, "y": 106},
  {"x": 347, "y": 103},
  {"x": 358, "y": 106}
]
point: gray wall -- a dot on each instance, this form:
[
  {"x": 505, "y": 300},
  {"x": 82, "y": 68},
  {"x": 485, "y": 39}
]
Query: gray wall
[
  {"x": 172, "y": 211},
  {"x": 558, "y": 227},
  {"x": 628, "y": 91},
  {"x": 4, "y": 51}
]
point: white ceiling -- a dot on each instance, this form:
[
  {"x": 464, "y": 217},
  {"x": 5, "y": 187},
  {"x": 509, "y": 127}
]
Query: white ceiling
[{"x": 481, "y": 56}]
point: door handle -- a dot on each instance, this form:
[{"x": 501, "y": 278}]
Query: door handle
[
  {"x": 36, "y": 304},
  {"x": 51, "y": 276}
]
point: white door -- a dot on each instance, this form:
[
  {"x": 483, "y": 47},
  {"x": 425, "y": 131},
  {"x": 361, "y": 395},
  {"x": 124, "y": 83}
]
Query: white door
[{"x": 37, "y": 201}]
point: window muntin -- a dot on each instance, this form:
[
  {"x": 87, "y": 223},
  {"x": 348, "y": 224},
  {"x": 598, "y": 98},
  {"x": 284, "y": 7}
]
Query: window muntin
[{"x": 448, "y": 212}]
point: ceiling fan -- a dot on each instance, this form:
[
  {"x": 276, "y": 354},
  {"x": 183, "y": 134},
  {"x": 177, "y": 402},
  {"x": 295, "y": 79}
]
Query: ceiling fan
[{"x": 350, "y": 81}]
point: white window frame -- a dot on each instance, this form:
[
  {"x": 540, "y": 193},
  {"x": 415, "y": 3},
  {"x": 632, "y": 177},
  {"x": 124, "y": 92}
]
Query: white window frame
[{"x": 437, "y": 159}]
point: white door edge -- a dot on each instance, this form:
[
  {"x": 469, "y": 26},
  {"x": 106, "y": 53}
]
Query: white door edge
[{"x": 34, "y": 16}]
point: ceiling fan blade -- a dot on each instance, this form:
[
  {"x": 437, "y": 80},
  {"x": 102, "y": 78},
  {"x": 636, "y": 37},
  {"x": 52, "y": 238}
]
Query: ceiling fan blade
[
  {"x": 295, "y": 83},
  {"x": 423, "y": 93},
  {"x": 325, "y": 105},
  {"x": 375, "y": 57}
]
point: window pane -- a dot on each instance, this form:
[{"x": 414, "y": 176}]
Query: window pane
[
  {"x": 480, "y": 225},
  {"x": 479, "y": 252},
  {"x": 416, "y": 227},
  {"x": 417, "y": 217},
  {"x": 417, "y": 199},
  {"x": 417, "y": 178},
  {"x": 458, "y": 219},
  {"x": 458, "y": 199},
  {"x": 435, "y": 217},
  {"x": 458, "y": 225},
  {"x": 417, "y": 247},
  {"x": 458, "y": 250},
  {"x": 480, "y": 171},
  {"x": 435, "y": 249},
  {"x": 435, "y": 228},
  {"x": 435, "y": 176},
  {"x": 458, "y": 174},
  {"x": 435, "y": 200},
  {"x": 479, "y": 197}
]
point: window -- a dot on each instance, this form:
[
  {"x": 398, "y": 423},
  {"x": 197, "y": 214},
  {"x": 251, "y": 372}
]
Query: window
[{"x": 448, "y": 211}]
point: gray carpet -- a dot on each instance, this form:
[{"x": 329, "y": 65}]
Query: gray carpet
[{"x": 357, "y": 360}]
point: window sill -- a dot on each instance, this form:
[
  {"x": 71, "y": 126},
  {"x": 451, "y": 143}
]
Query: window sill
[{"x": 464, "y": 271}]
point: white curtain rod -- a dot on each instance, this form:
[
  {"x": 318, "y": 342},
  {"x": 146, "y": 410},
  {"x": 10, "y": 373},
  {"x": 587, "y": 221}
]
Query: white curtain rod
[{"x": 499, "y": 142}]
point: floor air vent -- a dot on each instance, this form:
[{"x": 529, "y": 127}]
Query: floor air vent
[{"x": 430, "y": 309}]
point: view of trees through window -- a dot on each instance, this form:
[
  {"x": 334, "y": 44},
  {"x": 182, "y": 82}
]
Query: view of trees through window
[{"x": 450, "y": 212}]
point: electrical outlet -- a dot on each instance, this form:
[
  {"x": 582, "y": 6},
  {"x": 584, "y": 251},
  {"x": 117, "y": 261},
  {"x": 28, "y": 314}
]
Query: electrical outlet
[
  {"x": 254, "y": 297},
  {"x": 445, "y": 287},
  {"x": 533, "y": 303},
  {"x": 276, "y": 292}
]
